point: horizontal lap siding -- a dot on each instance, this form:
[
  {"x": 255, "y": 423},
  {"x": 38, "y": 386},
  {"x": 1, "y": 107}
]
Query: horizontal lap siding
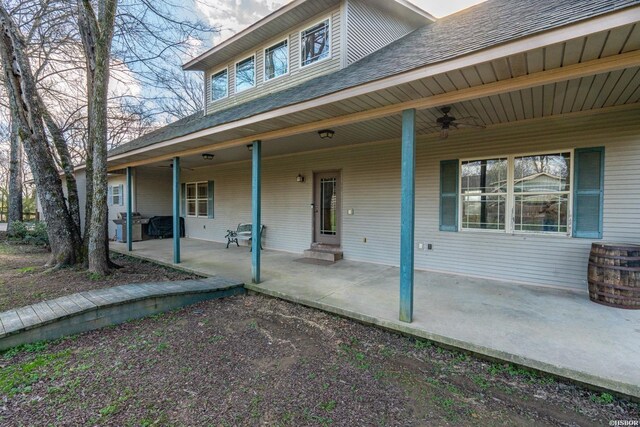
[
  {"x": 371, "y": 187},
  {"x": 369, "y": 29},
  {"x": 296, "y": 75},
  {"x": 154, "y": 191}
]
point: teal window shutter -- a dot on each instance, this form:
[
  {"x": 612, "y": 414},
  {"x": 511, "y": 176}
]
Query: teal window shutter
[
  {"x": 121, "y": 192},
  {"x": 588, "y": 194},
  {"x": 183, "y": 199},
  {"x": 449, "y": 195},
  {"x": 210, "y": 199}
]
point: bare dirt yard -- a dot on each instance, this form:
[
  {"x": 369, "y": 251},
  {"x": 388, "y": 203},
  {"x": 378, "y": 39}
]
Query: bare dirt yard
[
  {"x": 252, "y": 360},
  {"x": 24, "y": 280}
]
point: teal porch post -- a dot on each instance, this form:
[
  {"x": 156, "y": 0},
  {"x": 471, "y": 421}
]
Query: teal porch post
[
  {"x": 407, "y": 214},
  {"x": 255, "y": 209},
  {"x": 176, "y": 210},
  {"x": 129, "y": 211}
]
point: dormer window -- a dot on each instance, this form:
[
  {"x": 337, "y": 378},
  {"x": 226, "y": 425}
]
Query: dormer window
[
  {"x": 220, "y": 85},
  {"x": 246, "y": 74},
  {"x": 315, "y": 43},
  {"x": 276, "y": 60}
]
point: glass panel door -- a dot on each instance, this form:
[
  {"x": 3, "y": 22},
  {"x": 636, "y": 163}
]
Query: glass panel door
[{"x": 327, "y": 208}]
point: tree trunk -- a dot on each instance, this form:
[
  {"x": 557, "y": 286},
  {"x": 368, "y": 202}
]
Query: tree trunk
[
  {"x": 15, "y": 177},
  {"x": 23, "y": 101},
  {"x": 97, "y": 33},
  {"x": 73, "y": 200}
]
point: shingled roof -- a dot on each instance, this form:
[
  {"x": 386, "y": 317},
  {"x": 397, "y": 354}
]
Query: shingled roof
[{"x": 485, "y": 25}]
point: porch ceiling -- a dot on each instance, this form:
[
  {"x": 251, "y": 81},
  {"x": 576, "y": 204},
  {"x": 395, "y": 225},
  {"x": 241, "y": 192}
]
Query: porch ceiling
[{"x": 540, "y": 91}]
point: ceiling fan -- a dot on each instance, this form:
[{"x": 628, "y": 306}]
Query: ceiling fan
[{"x": 446, "y": 122}]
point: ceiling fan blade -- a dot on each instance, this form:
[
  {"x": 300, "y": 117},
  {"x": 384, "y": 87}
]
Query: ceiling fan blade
[{"x": 468, "y": 125}]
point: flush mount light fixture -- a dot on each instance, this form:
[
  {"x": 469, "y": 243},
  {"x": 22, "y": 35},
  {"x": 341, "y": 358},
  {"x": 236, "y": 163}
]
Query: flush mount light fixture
[
  {"x": 208, "y": 156},
  {"x": 326, "y": 134}
]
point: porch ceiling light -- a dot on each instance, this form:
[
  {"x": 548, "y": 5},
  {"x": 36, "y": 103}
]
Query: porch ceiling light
[
  {"x": 208, "y": 156},
  {"x": 326, "y": 134},
  {"x": 250, "y": 147}
]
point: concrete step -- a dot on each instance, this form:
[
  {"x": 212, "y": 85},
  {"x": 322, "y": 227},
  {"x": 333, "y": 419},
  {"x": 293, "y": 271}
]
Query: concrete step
[{"x": 332, "y": 254}]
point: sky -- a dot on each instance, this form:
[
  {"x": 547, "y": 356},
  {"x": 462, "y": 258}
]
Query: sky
[{"x": 234, "y": 15}]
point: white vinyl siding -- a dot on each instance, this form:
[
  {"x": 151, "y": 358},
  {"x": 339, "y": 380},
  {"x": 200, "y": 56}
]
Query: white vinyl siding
[
  {"x": 370, "y": 29},
  {"x": 371, "y": 188},
  {"x": 151, "y": 196},
  {"x": 296, "y": 75}
]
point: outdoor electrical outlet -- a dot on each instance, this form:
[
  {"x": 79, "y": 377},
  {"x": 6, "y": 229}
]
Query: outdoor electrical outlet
[
  {"x": 430, "y": 247},
  {"x": 420, "y": 245}
]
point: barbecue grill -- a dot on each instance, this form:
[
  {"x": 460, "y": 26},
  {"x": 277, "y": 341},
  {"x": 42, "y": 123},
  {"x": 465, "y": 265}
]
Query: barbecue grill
[{"x": 137, "y": 222}]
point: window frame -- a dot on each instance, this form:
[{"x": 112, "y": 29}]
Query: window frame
[
  {"x": 510, "y": 204},
  {"x": 211, "y": 76},
  {"x": 255, "y": 74},
  {"x": 461, "y": 195},
  {"x": 330, "y": 27},
  {"x": 196, "y": 199},
  {"x": 113, "y": 196},
  {"x": 264, "y": 60}
]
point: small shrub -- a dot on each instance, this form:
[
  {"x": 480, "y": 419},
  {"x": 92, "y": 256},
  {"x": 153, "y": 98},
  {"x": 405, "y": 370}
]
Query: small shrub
[
  {"x": 603, "y": 399},
  {"x": 30, "y": 233},
  {"x": 17, "y": 230}
]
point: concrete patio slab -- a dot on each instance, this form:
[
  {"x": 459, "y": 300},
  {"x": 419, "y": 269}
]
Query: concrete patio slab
[{"x": 553, "y": 330}]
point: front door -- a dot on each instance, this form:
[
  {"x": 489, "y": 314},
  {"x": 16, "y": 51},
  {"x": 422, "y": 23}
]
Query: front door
[{"x": 326, "y": 208}]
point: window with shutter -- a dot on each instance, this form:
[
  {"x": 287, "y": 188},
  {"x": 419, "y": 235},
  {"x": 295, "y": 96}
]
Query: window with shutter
[{"x": 198, "y": 199}]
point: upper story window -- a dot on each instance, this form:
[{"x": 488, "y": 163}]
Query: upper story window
[
  {"x": 219, "y": 85},
  {"x": 276, "y": 60},
  {"x": 246, "y": 74},
  {"x": 315, "y": 43}
]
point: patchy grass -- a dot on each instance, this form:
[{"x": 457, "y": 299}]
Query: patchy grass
[{"x": 252, "y": 360}]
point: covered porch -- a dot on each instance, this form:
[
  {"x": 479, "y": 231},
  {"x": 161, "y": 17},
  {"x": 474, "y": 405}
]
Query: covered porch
[{"x": 553, "y": 330}]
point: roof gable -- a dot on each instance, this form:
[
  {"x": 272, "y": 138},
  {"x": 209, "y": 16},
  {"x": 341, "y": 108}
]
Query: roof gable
[{"x": 288, "y": 16}]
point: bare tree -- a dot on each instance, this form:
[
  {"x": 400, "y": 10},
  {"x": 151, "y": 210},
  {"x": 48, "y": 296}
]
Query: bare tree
[
  {"x": 26, "y": 108},
  {"x": 96, "y": 31}
]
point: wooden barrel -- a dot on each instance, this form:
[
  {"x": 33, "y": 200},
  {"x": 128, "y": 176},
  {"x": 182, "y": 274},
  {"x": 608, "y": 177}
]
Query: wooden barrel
[{"x": 614, "y": 275}]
